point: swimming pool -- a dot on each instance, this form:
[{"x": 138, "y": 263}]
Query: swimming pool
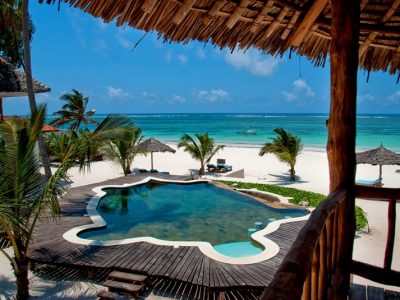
[{"x": 196, "y": 212}]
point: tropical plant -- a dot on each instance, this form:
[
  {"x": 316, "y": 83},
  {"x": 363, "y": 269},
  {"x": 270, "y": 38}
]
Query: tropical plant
[
  {"x": 74, "y": 111},
  {"x": 26, "y": 34},
  {"x": 62, "y": 146},
  {"x": 11, "y": 37},
  {"x": 84, "y": 146},
  {"x": 124, "y": 150},
  {"x": 203, "y": 151},
  {"x": 25, "y": 195},
  {"x": 286, "y": 147},
  {"x": 113, "y": 127}
]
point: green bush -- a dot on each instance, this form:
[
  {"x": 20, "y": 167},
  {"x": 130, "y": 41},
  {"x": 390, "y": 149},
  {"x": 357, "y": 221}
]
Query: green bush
[{"x": 313, "y": 199}]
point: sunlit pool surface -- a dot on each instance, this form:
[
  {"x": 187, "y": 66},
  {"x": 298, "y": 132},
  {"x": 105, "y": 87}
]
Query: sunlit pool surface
[{"x": 185, "y": 212}]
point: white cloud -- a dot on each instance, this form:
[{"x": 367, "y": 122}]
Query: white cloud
[
  {"x": 182, "y": 58},
  {"x": 365, "y": 98},
  {"x": 289, "y": 96},
  {"x": 121, "y": 38},
  {"x": 100, "y": 46},
  {"x": 101, "y": 24},
  {"x": 177, "y": 99},
  {"x": 301, "y": 90},
  {"x": 113, "y": 92},
  {"x": 212, "y": 96},
  {"x": 201, "y": 53},
  {"x": 302, "y": 86},
  {"x": 253, "y": 61},
  {"x": 395, "y": 97},
  {"x": 148, "y": 94},
  {"x": 168, "y": 56}
]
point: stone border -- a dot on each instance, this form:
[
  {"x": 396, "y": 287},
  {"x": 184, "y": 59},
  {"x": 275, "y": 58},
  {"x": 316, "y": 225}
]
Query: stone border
[{"x": 271, "y": 248}]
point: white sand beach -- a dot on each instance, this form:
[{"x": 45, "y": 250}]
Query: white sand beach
[{"x": 313, "y": 175}]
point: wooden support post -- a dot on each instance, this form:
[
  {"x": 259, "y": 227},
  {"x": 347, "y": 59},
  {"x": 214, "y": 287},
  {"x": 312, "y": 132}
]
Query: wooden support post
[
  {"x": 342, "y": 128},
  {"x": 309, "y": 19},
  {"x": 1, "y": 110},
  {"x": 391, "y": 234}
]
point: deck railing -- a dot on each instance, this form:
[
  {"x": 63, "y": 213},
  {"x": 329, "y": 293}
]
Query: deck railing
[
  {"x": 312, "y": 268},
  {"x": 385, "y": 274}
]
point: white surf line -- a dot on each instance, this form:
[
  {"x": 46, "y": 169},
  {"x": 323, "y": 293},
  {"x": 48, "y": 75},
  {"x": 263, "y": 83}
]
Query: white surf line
[{"x": 271, "y": 248}]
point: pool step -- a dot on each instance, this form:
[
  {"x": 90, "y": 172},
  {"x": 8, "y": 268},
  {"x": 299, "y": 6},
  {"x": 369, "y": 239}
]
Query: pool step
[
  {"x": 124, "y": 287},
  {"x": 128, "y": 277},
  {"x": 107, "y": 295}
]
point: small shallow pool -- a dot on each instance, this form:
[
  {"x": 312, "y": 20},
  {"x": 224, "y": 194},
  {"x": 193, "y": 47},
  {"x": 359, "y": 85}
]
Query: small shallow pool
[{"x": 185, "y": 212}]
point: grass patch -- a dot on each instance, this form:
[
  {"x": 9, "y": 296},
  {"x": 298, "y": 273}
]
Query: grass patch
[{"x": 313, "y": 199}]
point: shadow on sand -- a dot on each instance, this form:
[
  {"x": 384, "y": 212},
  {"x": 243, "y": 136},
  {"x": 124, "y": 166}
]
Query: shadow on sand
[{"x": 285, "y": 179}]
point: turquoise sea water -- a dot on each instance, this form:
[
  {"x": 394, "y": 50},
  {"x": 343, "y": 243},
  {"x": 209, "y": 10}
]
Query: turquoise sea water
[
  {"x": 372, "y": 130},
  {"x": 176, "y": 212}
]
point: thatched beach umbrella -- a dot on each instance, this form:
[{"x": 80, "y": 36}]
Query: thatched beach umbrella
[
  {"x": 379, "y": 156},
  {"x": 152, "y": 145},
  {"x": 13, "y": 83}
]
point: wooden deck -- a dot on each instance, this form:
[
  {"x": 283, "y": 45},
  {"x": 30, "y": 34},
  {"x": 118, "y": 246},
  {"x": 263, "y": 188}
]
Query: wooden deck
[{"x": 186, "y": 264}]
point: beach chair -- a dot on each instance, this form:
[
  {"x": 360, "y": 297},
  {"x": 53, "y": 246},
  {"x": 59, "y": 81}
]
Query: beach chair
[
  {"x": 211, "y": 167},
  {"x": 366, "y": 182},
  {"x": 222, "y": 167}
]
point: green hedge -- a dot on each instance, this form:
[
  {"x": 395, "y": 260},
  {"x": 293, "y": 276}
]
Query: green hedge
[{"x": 313, "y": 199}]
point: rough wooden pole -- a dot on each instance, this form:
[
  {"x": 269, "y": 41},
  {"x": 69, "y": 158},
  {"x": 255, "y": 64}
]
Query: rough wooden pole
[
  {"x": 342, "y": 126},
  {"x": 1, "y": 110},
  {"x": 29, "y": 82}
]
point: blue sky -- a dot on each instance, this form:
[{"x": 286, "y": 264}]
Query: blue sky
[{"x": 71, "y": 49}]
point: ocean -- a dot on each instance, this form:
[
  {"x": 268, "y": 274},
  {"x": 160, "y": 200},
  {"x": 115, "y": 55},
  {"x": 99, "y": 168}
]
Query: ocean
[{"x": 252, "y": 130}]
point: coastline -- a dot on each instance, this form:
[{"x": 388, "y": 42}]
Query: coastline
[{"x": 313, "y": 175}]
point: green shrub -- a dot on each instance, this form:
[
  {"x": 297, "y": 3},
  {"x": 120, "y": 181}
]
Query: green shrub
[{"x": 313, "y": 199}]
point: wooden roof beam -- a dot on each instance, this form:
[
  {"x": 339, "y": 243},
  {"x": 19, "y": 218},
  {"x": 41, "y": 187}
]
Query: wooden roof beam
[
  {"x": 213, "y": 13},
  {"x": 183, "y": 11},
  {"x": 276, "y": 23},
  {"x": 148, "y": 5},
  {"x": 372, "y": 36},
  {"x": 261, "y": 16},
  {"x": 309, "y": 19},
  {"x": 237, "y": 13},
  {"x": 291, "y": 24}
]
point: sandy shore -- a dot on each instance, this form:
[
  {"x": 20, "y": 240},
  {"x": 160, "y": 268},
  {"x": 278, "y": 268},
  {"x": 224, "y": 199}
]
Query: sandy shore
[{"x": 313, "y": 175}]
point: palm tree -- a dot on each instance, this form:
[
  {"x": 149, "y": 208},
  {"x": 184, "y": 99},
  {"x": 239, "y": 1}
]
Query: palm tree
[
  {"x": 286, "y": 147},
  {"x": 62, "y": 147},
  {"x": 26, "y": 33},
  {"x": 203, "y": 151},
  {"x": 74, "y": 111},
  {"x": 124, "y": 150},
  {"x": 11, "y": 35},
  {"x": 25, "y": 196},
  {"x": 113, "y": 127}
]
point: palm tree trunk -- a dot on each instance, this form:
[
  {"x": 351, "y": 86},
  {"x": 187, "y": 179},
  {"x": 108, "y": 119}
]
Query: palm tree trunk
[
  {"x": 22, "y": 278},
  {"x": 29, "y": 82},
  {"x": 292, "y": 173}
]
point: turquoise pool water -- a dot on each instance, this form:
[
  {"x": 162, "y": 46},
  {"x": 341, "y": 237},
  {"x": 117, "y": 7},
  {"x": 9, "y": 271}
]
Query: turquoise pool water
[{"x": 184, "y": 212}]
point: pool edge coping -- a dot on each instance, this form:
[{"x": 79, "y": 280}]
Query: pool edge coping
[{"x": 271, "y": 248}]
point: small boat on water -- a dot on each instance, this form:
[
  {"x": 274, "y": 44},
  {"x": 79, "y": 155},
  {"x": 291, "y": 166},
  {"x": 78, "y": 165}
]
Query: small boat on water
[{"x": 247, "y": 131}]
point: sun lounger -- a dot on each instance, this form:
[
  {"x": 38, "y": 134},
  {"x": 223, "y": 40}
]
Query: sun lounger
[
  {"x": 366, "y": 182},
  {"x": 211, "y": 168},
  {"x": 224, "y": 168}
]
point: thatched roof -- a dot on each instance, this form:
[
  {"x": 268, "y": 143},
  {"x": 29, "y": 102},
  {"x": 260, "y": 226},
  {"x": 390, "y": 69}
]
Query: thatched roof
[
  {"x": 13, "y": 81},
  {"x": 153, "y": 145},
  {"x": 378, "y": 156},
  {"x": 272, "y": 26}
]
